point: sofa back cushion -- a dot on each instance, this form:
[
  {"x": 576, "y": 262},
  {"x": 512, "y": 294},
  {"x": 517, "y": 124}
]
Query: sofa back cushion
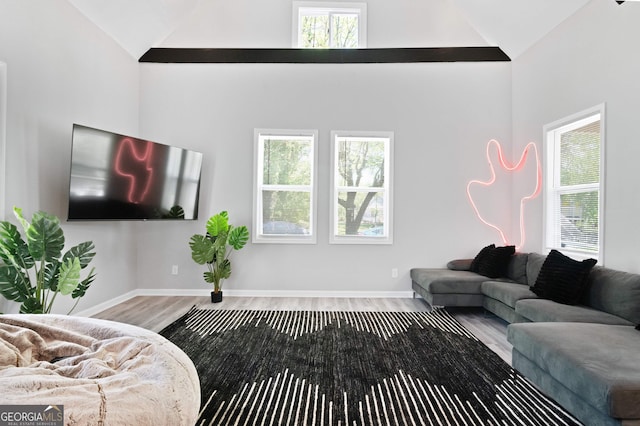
[
  {"x": 615, "y": 292},
  {"x": 517, "y": 268},
  {"x": 534, "y": 264}
]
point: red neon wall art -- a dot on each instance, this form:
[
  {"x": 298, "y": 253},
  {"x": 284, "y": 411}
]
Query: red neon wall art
[
  {"x": 141, "y": 174},
  {"x": 531, "y": 147}
]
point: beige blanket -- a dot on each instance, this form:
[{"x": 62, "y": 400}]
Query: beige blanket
[{"x": 102, "y": 372}]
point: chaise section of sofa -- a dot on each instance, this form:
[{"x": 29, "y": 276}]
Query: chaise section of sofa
[
  {"x": 446, "y": 287},
  {"x": 590, "y": 369}
]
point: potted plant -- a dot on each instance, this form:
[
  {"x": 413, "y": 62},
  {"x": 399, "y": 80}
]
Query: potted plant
[
  {"x": 214, "y": 249},
  {"x": 32, "y": 272}
]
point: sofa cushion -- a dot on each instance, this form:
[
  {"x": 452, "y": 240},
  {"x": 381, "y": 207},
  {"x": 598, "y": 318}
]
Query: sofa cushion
[
  {"x": 495, "y": 263},
  {"x": 534, "y": 263},
  {"x": 507, "y": 292},
  {"x": 616, "y": 292},
  {"x": 447, "y": 281},
  {"x": 544, "y": 310},
  {"x": 482, "y": 254},
  {"x": 562, "y": 279},
  {"x": 596, "y": 361},
  {"x": 517, "y": 268}
]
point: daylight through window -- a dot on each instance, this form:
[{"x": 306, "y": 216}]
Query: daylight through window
[
  {"x": 574, "y": 185},
  {"x": 329, "y": 25},
  {"x": 361, "y": 201},
  {"x": 284, "y": 195}
]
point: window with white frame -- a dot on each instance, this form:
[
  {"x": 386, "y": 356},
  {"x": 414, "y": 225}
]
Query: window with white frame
[
  {"x": 361, "y": 202},
  {"x": 285, "y": 186},
  {"x": 329, "y": 25},
  {"x": 574, "y": 184}
]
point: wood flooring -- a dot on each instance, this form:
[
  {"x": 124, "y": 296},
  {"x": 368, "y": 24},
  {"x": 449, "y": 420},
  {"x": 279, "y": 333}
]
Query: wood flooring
[{"x": 156, "y": 312}]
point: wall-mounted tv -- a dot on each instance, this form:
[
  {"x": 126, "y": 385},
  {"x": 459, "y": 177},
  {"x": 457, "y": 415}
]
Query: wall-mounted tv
[{"x": 118, "y": 177}]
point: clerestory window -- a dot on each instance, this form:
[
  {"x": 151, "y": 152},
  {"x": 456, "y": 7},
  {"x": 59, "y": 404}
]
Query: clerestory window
[{"x": 329, "y": 25}]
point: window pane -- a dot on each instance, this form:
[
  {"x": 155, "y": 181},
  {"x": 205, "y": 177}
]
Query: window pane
[
  {"x": 360, "y": 163},
  {"x": 344, "y": 30},
  {"x": 579, "y": 221},
  {"x": 361, "y": 213},
  {"x": 315, "y": 31},
  {"x": 580, "y": 155},
  {"x": 286, "y": 212},
  {"x": 287, "y": 162}
]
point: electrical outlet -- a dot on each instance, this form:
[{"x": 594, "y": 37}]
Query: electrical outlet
[
  {"x": 174, "y": 270},
  {"x": 394, "y": 273}
]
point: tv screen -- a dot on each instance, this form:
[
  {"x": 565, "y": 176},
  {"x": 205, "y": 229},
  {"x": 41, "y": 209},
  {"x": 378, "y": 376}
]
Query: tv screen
[{"x": 118, "y": 177}]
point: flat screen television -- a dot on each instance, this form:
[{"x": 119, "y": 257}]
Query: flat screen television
[{"x": 118, "y": 177}]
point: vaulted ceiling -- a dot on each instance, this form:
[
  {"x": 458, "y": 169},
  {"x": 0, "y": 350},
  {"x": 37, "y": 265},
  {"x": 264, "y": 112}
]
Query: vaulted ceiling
[{"x": 511, "y": 25}]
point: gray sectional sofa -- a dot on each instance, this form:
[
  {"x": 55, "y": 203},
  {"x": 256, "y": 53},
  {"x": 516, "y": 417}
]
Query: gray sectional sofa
[{"x": 585, "y": 356}]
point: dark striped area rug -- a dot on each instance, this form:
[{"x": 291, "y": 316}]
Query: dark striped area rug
[{"x": 352, "y": 368}]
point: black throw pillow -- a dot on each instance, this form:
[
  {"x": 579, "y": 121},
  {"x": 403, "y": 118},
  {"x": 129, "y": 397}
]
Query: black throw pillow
[
  {"x": 475, "y": 263},
  {"x": 495, "y": 263},
  {"x": 562, "y": 279}
]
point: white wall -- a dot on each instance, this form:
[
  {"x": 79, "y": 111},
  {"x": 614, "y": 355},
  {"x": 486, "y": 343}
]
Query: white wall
[
  {"x": 3, "y": 133},
  {"x": 61, "y": 69},
  {"x": 258, "y": 24},
  {"x": 590, "y": 59},
  {"x": 442, "y": 114}
]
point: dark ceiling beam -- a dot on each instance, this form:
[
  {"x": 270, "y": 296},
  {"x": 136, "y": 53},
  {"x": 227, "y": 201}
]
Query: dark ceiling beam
[{"x": 324, "y": 56}]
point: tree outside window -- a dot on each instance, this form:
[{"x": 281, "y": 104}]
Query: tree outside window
[
  {"x": 361, "y": 201},
  {"x": 329, "y": 25}
]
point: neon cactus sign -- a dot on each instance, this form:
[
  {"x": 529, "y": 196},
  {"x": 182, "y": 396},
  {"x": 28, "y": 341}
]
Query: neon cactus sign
[{"x": 531, "y": 147}]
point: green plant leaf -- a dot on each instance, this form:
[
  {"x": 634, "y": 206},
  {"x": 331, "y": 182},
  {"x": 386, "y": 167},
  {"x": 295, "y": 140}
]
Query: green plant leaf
[
  {"x": 45, "y": 238},
  {"x": 13, "y": 249},
  {"x": 218, "y": 223},
  {"x": 17, "y": 211},
  {"x": 69, "y": 276},
  {"x": 51, "y": 271},
  {"x": 82, "y": 288},
  {"x": 220, "y": 247},
  {"x": 31, "y": 306},
  {"x": 224, "y": 269},
  {"x": 83, "y": 252},
  {"x": 202, "y": 249},
  {"x": 238, "y": 237},
  {"x": 208, "y": 277},
  {"x": 14, "y": 284},
  {"x": 176, "y": 212}
]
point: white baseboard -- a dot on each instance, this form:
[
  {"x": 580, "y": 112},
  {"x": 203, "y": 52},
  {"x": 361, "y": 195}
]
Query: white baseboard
[
  {"x": 245, "y": 293},
  {"x": 105, "y": 305},
  {"x": 323, "y": 293}
]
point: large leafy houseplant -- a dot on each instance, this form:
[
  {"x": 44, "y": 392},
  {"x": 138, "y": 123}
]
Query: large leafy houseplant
[
  {"x": 214, "y": 248},
  {"x": 33, "y": 270}
]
